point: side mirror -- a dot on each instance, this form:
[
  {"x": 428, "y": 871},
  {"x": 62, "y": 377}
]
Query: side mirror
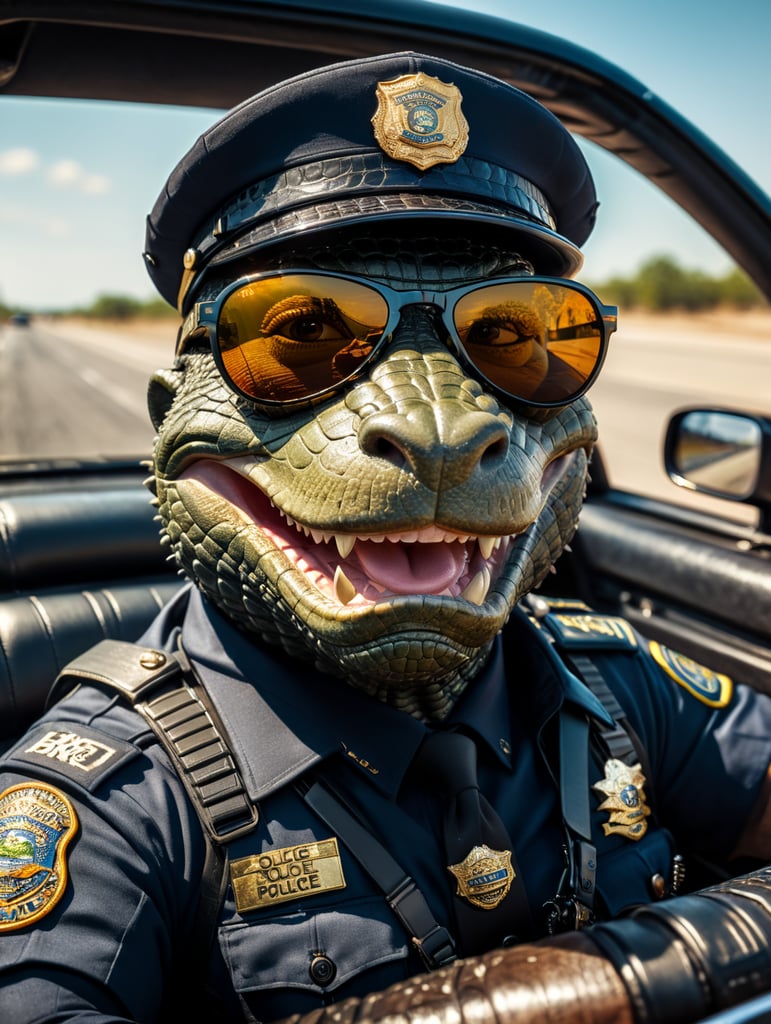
[{"x": 723, "y": 453}]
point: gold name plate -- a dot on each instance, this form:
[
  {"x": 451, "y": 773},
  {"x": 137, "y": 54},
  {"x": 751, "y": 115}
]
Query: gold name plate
[{"x": 290, "y": 873}]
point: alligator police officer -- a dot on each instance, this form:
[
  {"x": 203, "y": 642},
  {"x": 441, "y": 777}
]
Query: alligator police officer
[{"x": 371, "y": 448}]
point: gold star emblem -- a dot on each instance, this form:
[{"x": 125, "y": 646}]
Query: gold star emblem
[{"x": 625, "y": 799}]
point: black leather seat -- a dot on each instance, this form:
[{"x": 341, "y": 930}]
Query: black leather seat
[{"x": 77, "y": 565}]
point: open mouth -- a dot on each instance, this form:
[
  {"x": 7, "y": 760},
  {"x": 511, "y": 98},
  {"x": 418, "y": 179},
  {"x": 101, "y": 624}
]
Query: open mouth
[{"x": 362, "y": 569}]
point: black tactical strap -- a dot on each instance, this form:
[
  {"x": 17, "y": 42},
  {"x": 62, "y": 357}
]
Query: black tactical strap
[
  {"x": 186, "y": 726},
  {"x": 432, "y": 941},
  {"x": 574, "y": 772},
  {"x": 162, "y": 687},
  {"x": 616, "y": 739},
  {"x": 573, "y": 905}
]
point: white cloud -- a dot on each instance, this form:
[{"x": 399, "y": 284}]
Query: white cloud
[
  {"x": 18, "y": 161},
  {"x": 70, "y": 174},
  {"x": 64, "y": 172},
  {"x": 95, "y": 185}
]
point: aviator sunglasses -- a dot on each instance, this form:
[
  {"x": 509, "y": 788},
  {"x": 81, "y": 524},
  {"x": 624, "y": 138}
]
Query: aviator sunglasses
[{"x": 288, "y": 337}]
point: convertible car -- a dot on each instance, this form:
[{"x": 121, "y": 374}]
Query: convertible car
[{"x": 687, "y": 562}]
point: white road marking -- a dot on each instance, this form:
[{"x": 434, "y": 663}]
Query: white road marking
[{"x": 119, "y": 395}]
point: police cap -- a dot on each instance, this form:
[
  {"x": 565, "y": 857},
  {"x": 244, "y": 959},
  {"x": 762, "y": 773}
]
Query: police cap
[{"x": 395, "y": 138}]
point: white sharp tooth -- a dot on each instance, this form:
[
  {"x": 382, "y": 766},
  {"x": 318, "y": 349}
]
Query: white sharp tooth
[
  {"x": 344, "y": 543},
  {"x": 344, "y": 589},
  {"x": 477, "y": 589},
  {"x": 318, "y": 536},
  {"x": 487, "y": 545}
]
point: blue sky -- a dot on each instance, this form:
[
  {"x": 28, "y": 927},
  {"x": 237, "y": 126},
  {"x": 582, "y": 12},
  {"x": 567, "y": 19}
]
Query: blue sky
[{"x": 76, "y": 183}]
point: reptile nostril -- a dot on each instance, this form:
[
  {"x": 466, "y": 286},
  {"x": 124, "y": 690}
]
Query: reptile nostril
[
  {"x": 438, "y": 444},
  {"x": 385, "y": 448},
  {"x": 497, "y": 449}
]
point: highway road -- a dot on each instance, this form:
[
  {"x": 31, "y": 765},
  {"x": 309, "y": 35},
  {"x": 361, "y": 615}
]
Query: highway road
[
  {"x": 70, "y": 390},
  {"x": 656, "y": 366}
]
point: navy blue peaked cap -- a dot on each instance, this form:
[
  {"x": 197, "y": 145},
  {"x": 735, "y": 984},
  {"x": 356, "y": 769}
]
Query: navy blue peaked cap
[{"x": 394, "y": 138}]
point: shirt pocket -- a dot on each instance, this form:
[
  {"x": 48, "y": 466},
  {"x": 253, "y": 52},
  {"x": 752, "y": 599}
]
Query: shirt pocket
[
  {"x": 625, "y": 875},
  {"x": 295, "y": 962}
]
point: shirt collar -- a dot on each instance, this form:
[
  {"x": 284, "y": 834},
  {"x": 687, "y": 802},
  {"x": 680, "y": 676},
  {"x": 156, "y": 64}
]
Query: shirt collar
[
  {"x": 484, "y": 707},
  {"x": 283, "y": 717}
]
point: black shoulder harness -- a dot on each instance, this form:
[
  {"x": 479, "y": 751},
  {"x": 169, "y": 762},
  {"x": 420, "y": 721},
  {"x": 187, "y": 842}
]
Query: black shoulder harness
[
  {"x": 576, "y": 631},
  {"x": 162, "y": 688}
]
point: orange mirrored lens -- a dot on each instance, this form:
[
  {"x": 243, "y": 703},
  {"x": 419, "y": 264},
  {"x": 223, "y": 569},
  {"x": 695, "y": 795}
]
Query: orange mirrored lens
[
  {"x": 295, "y": 336},
  {"x": 535, "y": 341}
]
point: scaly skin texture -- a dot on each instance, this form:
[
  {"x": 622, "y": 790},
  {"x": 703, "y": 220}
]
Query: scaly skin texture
[{"x": 416, "y": 452}]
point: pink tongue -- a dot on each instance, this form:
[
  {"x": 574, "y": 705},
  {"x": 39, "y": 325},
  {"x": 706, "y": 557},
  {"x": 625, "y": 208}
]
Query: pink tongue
[{"x": 412, "y": 568}]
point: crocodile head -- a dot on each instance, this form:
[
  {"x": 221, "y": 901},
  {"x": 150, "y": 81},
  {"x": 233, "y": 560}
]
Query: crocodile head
[{"x": 385, "y": 533}]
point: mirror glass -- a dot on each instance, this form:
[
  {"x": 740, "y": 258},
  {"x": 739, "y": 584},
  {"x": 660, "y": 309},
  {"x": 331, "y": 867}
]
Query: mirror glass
[{"x": 717, "y": 452}]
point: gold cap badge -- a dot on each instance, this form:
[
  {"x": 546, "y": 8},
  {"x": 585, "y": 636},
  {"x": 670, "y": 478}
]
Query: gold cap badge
[
  {"x": 484, "y": 877},
  {"x": 419, "y": 120}
]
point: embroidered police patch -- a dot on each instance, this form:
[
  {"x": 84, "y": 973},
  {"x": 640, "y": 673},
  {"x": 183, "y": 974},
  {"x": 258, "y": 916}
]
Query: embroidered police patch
[
  {"x": 709, "y": 687},
  {"x": 37, "y": 823}
]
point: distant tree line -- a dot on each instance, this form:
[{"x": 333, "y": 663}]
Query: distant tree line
[
  {"x": 105, "y": 307},
  {"x": 123, "y": 307},
  {"x": 660, "y": 285}
]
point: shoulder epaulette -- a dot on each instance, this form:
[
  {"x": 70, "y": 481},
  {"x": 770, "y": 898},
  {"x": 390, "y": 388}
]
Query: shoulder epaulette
[
  {"x": 573, "y": 625},
  {"x": 577, "y": 632}
]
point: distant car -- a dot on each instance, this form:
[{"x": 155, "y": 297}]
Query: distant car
[{"x": 80, "y": 558}]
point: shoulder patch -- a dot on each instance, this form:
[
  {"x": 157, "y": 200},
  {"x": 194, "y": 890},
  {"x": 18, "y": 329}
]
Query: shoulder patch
[
  {"x": 37, "y": 823},
  {"x": 709, "y": 687},
  {"x": 79, "y": 752}
]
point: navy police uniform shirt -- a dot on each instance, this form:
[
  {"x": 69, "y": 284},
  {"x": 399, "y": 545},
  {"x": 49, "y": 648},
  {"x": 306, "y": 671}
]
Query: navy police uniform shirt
[{"x": 115, "y": 924}]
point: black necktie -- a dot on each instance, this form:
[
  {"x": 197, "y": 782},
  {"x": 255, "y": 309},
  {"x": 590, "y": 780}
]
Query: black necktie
[{"x": 490, "y": 903}]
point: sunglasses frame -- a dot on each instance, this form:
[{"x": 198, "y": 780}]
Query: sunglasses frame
[{"x": 205, "y": 316}]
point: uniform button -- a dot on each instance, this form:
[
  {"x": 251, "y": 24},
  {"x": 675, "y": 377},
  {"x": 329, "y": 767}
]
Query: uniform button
[
  {"x": 152, "y": 659},
  {"x": 658, "y": 886},
  {"x": 322, "y": 970}
]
